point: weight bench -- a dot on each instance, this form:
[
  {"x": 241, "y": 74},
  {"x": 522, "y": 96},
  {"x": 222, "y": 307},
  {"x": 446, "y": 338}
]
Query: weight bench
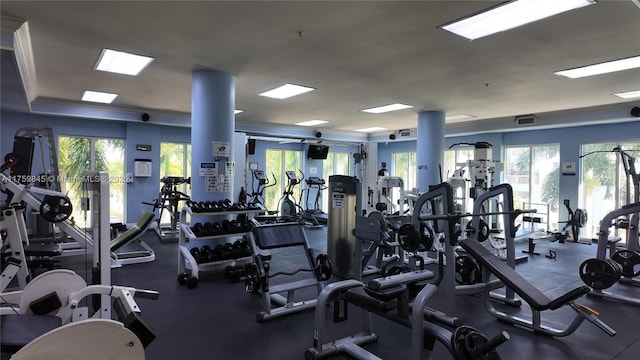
[
  {"x": 536, "y": 299},
  {"x": 389, "y": 298},
  {"x": 133, "y": 234},
  {"x": 275, "y": 236}
]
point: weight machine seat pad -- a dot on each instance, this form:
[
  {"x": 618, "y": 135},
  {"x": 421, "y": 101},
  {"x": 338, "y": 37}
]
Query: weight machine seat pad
[
  {"x": 279, "y": 235},
  {"x": 43, "y": 250},
  {"x": 132, "y": 233},
  {"x": 529, "y": 293},
  {"x": 360, "y": 297},
  {"x": 17, "y": 330}
]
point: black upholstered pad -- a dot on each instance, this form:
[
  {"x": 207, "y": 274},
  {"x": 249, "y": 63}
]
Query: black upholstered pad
[
  {"x": 279, "y": 235},
  {"x": 133, "y": 232},
  {"x": 529, "y": 293},
  {"x": 43, "y": 249},
  {"x": 16, "y": 331},
  {"x": 359, "y": 297}
]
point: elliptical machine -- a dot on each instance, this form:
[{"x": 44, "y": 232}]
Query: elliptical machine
[
  {"x": 257, "y": 195},
  {"x": 289, "y": 208}
]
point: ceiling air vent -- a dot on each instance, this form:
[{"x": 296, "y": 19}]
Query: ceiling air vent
[
  {"x": 522, "y": 120},
  {"x": 405, "y": 133}
]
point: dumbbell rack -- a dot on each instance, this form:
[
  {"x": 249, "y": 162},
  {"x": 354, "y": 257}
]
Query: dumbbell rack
[{"x": 186, "y": 261}]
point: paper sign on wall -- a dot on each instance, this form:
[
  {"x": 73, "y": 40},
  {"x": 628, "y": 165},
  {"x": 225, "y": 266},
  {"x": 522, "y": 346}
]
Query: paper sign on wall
[
  {"x": 208, "y": 169},
  {"x": 221, "y": 148}
]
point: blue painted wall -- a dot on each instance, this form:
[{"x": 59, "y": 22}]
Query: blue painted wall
[
  {"x": 146, "y": 189},
  {"x": 569, "y": 138}
]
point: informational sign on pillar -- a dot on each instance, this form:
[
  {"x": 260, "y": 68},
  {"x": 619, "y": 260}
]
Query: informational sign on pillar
[{"x": 221, "y": 148}]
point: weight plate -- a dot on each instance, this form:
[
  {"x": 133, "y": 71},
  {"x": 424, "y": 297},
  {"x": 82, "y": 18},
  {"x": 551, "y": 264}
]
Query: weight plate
[
  {"x": 55, "y": 209},
  {"x": 467, "y": 270},
  {"x": 600, "y": 274},
  {"x": 381, "y": 219},
  {"x": 427, "y": 237},
  {"x": 483, "y": 232},
  {"x": 465, "y": 342},
  {"x": 409, "y": 237},
  {"x": 629, "y": 261}
]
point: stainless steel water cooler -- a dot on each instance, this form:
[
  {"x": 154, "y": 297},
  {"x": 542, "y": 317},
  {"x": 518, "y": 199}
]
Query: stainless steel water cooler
[{"x": 344, "y": 205}]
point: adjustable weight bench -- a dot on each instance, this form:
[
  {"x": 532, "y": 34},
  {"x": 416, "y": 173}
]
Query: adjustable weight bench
[
  {"x": 283, "y": 235},
  {"x": 133, "y": 235},
  {"x": 536, "y": 299}
]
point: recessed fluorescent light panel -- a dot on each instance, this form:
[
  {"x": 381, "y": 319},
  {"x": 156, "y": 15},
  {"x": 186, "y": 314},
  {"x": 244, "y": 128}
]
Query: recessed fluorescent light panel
[
  {"x": 628, "y": 94},
  {"x": 459, "y": 117},
  {"x": 372, "y": 129},
  {"x": 601, "y": 68},
  {"x": 311, "y": 122},
  {"x": 286, "y": 91},
  {"x": 99, "y": 97},
  {"x": 122, "y": 62},
  {"x": 387, "y": 108},
  {"x": 510, "y": 15}
]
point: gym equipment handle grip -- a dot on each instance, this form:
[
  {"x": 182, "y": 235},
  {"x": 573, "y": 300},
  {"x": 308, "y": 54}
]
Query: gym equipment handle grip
[{"x": 606, "y": 328}]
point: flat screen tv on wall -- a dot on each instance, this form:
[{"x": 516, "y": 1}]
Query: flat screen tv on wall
[{"x": 317, "y": 152}]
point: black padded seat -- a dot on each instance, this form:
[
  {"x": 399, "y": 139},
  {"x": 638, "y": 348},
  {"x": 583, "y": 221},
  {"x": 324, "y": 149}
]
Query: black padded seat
[
  {"x": 43, "y": 250},
  {"x": 361, "y": 298},
  {"x": 18, "y": 330},
  {"x": 132, "y": 233},
  {"x": 529, "y": 293}
]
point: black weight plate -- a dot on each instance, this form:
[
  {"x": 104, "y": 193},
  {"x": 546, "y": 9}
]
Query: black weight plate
[
  {"x": 467, "y": 270},
  {"x": 409, "y": 237},
  {"x": 483, "y": 232},
  {"x": 629, "y": 261},
  {"x": 55, "y": 209},
  {"x": 599, "y": 274},
  {"x": 381, "y": 219}
]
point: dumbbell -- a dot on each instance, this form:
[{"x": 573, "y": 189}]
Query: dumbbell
[
  {"x": 206, "y": 229},
  {"x": 197, "y": 229},
  {"x": 206, "y": 253},
  {"x": 252, "y": 281},
  {"x": 239, "y": 249},
  {"x": 235, "y": 273},
  {"x": 224, "y": 205},
  {"x": 226, "y": 251},
  {"x": 246, "y": 249},
  {"x": 247, "y": 226},
  {"x": 217, "y": 253},
  {"x": 195, "y": 252},
  {"x": 226, "y": 227}
]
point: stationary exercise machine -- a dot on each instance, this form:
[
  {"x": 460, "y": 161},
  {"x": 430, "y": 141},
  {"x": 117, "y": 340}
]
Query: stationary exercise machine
[
  {"x": 277, "y": 236},
  {"x": 169, "y": 199},
  {"x": 60, "y": 297},
  {"x": 401, "y": 298},
  {"x": 619, "y": 265},
  {"x": 379, "y": 251},
  {"x": 516, "y": 284},
  {"x": 316, "y": 185},
  {"x": 101, "y": 338},
  {"x": 263, "y": 183},
  {"x": 622, "y": 263},
  {"x": 121, "y": 254},
  {"x": 386, "y": 188},
  {"x": 289, "y": 208}
]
